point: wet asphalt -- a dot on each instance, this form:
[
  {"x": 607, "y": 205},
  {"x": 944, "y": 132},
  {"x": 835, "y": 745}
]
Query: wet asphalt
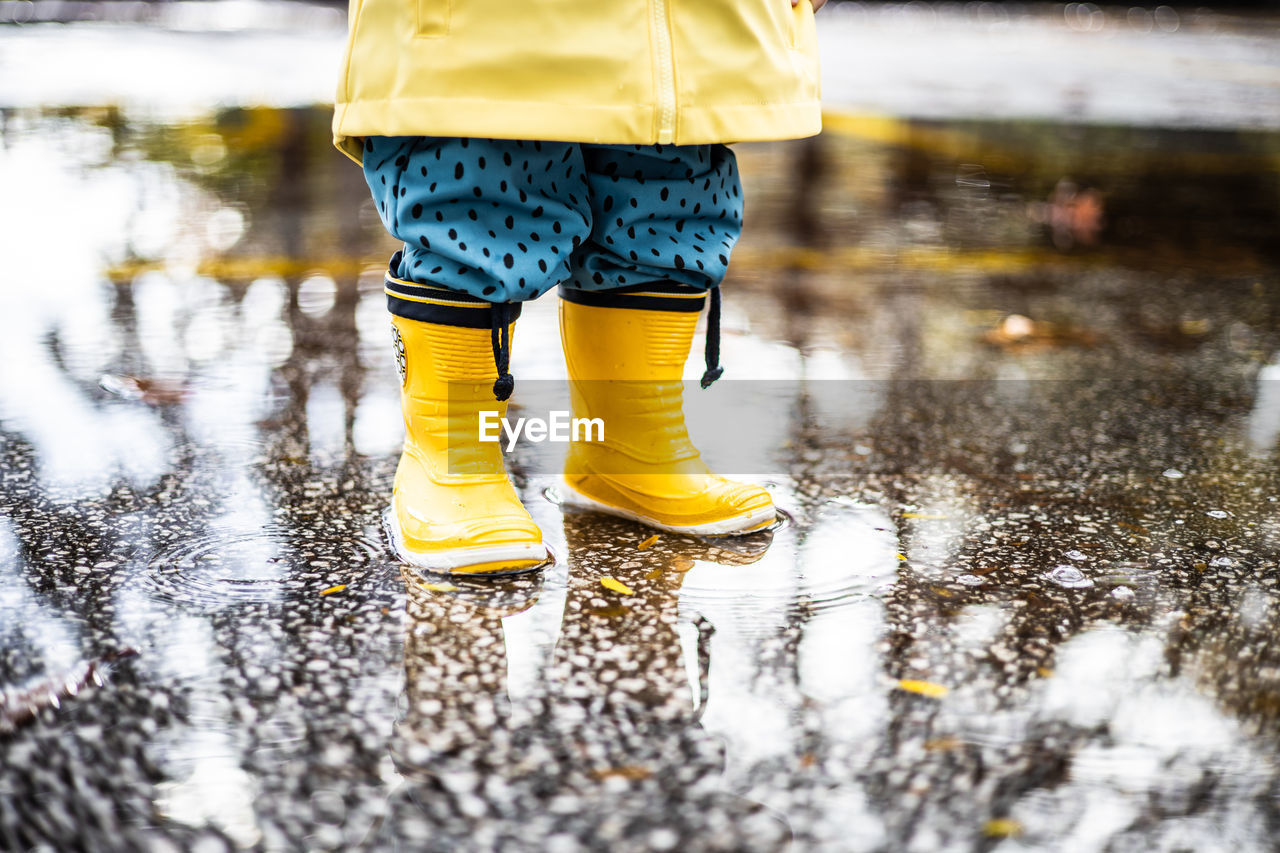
[{"x": 1015, "y": 386}]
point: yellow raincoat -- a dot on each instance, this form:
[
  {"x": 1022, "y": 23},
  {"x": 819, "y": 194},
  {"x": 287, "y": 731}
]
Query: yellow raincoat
[{"x": 604, "y": 71}]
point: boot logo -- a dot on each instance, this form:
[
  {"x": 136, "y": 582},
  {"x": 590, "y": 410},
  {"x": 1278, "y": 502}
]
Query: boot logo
[{"x": 400, "y": 357}]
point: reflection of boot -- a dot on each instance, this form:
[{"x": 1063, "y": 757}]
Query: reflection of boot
[
  {"x": 620, "y": 657},
  {"x": 454, "y": 509},
  {"x": 619, "y": 652},
  {"x": 625, "y": 367},
  {"x": 456, "y": 666},
  {"x": 455, "y": 723},
  {"x": 614, "y": 737},
  {"x": 598, "y": 617}
]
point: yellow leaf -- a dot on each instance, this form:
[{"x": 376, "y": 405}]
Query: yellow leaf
[
  {"x": 902, "y": 557},
  {"x": 333, "y": 589},
  {"x": 616, "y": 586},
  {"x": 924, "y": 515},
  {"x": 647, "y": 543},
  {"x": 438, "y": 587},
  {"x": 625, "y": 771},
  {"x": 681, "y": 564},
  {"x": 924, "y": 688},
  {"x": 1001, "y": 827}
]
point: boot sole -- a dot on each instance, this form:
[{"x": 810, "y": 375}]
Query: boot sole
[
  {"x": 493, "y": 560},
  {"x": 741, "y": 525}
]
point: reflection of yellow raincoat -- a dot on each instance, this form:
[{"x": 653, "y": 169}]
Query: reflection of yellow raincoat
[{"x": 606, "y": 71}]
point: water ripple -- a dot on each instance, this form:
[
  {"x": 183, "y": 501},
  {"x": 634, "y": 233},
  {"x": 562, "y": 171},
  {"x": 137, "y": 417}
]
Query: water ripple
[{"x": 223, "y": 567}]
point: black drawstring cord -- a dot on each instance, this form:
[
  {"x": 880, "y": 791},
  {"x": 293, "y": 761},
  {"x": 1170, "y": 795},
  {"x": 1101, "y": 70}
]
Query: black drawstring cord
[
  {"x": 714, "y": 370},
  {"x": 501, "y": 336}
]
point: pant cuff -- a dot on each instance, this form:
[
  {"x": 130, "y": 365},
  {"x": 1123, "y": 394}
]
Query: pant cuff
[
  {"x": 431, "y": 303},
  {"x": 654, "y": 296}
]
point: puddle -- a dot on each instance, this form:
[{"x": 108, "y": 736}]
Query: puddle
[{"x": 1010, "y": 381}]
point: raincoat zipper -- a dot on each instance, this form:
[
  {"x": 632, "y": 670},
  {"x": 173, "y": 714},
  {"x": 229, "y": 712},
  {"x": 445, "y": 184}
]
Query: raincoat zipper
[{"x": 666, "y": 74}]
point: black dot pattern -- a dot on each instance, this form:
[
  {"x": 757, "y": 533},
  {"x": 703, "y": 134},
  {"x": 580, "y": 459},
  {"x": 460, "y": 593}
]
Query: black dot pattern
[{"x": 507, "y": 220}]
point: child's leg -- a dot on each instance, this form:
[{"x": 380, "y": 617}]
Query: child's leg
[
  {"x": 493, "y": 218},
  {"x": 665, "y": 220},
  {"x": 486, "y": 223},
  {"x": 661, "y": 213}
]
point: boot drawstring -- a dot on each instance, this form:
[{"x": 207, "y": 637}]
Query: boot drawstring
[
  {"x": 714, "y": 370},
  {"x": 501, "y": 337}
]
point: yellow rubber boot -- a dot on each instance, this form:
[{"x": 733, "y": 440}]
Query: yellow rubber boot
[
  {"x": 625, "y": 368},
  {"x": 454, "y": 508}
]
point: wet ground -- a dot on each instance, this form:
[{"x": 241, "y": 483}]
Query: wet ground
[{"x": 1014, "y": 384}]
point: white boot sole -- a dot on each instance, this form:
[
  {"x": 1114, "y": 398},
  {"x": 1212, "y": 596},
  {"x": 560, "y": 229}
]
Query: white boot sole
[
  {"x": 449, "y": 562},
  {"x": 738, "y": 525}
]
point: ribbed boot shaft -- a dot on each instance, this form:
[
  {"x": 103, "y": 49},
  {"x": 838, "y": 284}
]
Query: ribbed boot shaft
[
  {"x": 456, "y": 354},
  {"x": 449, "y": 381},
  {"x": 668, "y": 336},
  {"x": 625, "y": 344}
]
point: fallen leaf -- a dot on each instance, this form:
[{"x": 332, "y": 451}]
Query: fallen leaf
[
  {"x": 942, "y": 744},
  {"x": 1002, "y": 827},
  {"x": 616, "y": 585},
  {"x": 925, "y": 516},
  {"x": 1017, "y": 332},
  {"x": 924, "y": 688},
  {"x": 681, "y": 564},
  {"x": 625, "y": 771},
  {"x": 331, "y": 590},
  {"x": 902, "y": 557},
  {"x": 648, "y": 543},
  {"x": 20, "y": 707},
  {"x": 153, "y": 392},
  {"x": 438, "y": 587}
]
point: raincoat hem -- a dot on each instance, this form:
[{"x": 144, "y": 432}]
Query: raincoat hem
[{"x": 601, "y": 125}]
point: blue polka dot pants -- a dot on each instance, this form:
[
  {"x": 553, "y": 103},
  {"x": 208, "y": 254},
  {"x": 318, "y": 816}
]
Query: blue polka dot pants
[{"x": 507, "y": 220}]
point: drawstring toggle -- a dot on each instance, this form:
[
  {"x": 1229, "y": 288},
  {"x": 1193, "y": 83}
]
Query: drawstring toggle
[
  {"x": 714, "y": 370},
  {"x": 501, "y": 338}
]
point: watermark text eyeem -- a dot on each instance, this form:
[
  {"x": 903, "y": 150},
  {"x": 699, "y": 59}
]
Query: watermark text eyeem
[{"x": 558, "y": 427}]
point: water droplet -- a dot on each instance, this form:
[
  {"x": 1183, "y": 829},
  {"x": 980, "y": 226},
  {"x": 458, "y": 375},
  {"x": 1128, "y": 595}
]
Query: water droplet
[
  {"x": 970, "y": 580},
  {"x": 552, "y": 494},
  {"x": 1167, "y": 19},
  {"x": 1069, "y": 577},
  {"x": 1218, "y": 513},
  {"x": 1122, "y": 593},
  {"x": 1077, "y": 555},
  {"x": 1223, "y": 561},
  {"x": 1173, "y": 474}
]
